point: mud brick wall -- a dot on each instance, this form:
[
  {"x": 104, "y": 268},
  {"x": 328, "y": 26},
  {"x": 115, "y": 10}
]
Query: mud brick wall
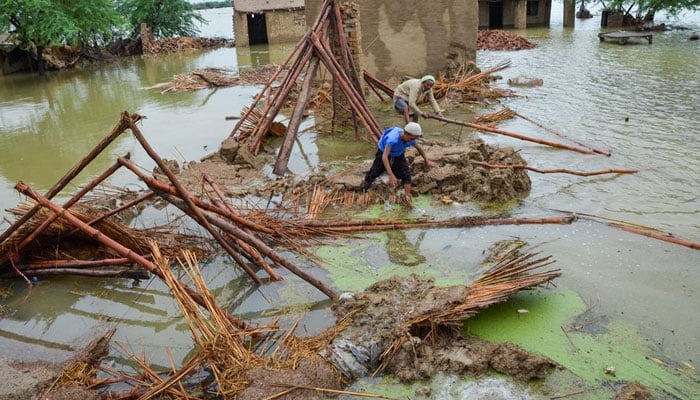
[{"x": 400, "y": 37}]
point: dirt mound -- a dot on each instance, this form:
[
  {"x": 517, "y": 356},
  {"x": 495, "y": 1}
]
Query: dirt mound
[
  {"x": 456, "y": 178},
  {"x": 496, "y": 39},
  {"x": 378, "y": 315}
]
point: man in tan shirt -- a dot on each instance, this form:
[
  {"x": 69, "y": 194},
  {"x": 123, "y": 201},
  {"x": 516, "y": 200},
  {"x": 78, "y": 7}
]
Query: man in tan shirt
[{"x": 411, "y": 92}]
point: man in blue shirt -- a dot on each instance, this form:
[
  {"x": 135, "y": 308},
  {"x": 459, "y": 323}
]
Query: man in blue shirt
[{"x": 391, "y": 157}]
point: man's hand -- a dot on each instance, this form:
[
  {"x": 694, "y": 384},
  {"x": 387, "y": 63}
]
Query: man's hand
[
  {"x": 392, "y": 181},
  {"x": 430, "y": 164},
  {"x": 408, "y": 199}
]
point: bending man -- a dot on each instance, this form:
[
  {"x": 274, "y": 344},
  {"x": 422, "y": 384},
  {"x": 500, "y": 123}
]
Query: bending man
[
  {"x": 411, "y": 92},
  {"x": 391, "y": 157}
]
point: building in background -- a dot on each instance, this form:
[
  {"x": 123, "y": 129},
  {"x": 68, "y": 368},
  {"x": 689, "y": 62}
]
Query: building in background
[
  {"x": 268, "y": 21},
  {"x": 518, "y": 14}
]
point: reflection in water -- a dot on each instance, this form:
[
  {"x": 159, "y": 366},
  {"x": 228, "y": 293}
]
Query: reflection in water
[{"x": 402, "y": 251}]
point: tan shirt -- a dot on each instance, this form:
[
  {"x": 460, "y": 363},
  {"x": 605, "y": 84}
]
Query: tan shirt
[{"x": 412, "y": 92}]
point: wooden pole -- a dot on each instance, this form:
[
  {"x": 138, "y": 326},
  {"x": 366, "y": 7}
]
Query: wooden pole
[
  {"x": 52, "y": 217},
  {"x": 76, "y": 263},
  {"x": 557, "y": 171},
  {"x": 485, "y": 128},
  {"x": 111, "y": 243},
  {"x": 185, "y": 195},
  {"x": 95, "y": 273},
  {"x": 367, "y": 226},
  {"x": 286, "y": 149},
  {"x": 164, "y": 187},
  {"x": 665, "y": 238},
  {"x": 356, "y": 100},
  {"x": 603, "y": 152},
  {"x": 254, "y": 255},
  {"x": 72, "y": 173},
  {"x": 260, "y": 246}
]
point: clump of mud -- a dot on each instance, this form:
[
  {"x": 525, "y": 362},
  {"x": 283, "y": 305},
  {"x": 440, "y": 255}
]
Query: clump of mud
[
  {"x": 380, "y": 314},
  {"x": 461, "y": 177},
  {"x": 634, "y": 391}
]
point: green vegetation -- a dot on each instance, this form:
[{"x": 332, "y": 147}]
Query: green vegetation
[
  {"x": 40, "y": 24},
  {"x": 645, "y": 9},
  {"x": 171, "y": 18},
  {"x": 559, "y": 325}
]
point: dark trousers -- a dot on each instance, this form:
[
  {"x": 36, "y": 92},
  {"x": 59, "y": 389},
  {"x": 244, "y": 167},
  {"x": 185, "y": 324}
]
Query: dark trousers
[{"x": 398, "y": 164}]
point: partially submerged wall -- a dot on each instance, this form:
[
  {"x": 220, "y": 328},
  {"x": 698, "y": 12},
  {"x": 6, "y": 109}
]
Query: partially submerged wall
[
  {"x": 413, "y": 38},
  {"x": 283, "y": 26}
]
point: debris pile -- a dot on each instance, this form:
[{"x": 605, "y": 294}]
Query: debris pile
[
  {"x": 372, "y": 328},
  {"x": 497, "y": 39}
]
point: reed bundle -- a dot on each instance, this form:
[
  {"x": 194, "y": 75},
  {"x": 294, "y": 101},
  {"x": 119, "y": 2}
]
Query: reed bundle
[
  {"x": 249, "y": 125},
  {"x": 221, "y": 347},
  {"x": 469, "y": 87},
  {"x": 494, "y": 118},
  {"x": 513, "y": 272}
]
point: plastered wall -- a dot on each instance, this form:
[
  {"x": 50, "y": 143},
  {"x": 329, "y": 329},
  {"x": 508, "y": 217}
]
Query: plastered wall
[{"x": 401, "y": 37}]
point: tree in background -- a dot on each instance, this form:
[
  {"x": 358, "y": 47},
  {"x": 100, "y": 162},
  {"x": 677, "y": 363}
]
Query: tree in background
[
  {"x": 165, "y": 18},
  {"x": 644, "y": 10},
  {"x": 40, "y": 24}
]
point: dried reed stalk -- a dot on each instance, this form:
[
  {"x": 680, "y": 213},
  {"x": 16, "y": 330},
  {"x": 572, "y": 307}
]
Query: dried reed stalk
[{"x": 512, "y": 273}]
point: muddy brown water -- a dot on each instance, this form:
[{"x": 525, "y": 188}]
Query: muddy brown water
[{"x": 638, "y": 101}]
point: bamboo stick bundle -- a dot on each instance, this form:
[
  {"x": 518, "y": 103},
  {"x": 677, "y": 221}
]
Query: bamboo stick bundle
[
  {"x": 249, "y": 124},
  {"x": 471, "y": 87},
  {"x": 492, "y": 119},
  {"x": 221, "y": 347},
  {"x": 512, "y": 274}
]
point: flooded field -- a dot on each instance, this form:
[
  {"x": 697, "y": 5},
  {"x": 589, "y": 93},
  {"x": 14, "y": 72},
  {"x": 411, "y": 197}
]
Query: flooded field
[{"x": 624, "y": 300}]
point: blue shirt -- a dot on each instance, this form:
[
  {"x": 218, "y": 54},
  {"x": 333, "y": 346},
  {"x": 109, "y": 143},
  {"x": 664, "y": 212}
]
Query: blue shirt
[{"x": 392, "y": 137}]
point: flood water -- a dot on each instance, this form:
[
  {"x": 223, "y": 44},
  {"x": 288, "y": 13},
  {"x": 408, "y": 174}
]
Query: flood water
[{"x": 638, "y": 101}]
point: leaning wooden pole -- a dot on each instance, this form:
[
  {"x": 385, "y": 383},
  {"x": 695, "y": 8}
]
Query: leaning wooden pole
[
  {"x": 485, "y": 128},
  {"x": 556, "y": 171},
  {"x": 561, "y": 135},
  {"x": 254, "y": 254},
  {"x": 116, "y": 246},
  {"x": 298, "y": 114},
  {"x": 260, "y": 246},
  {"x": 29, "y": 238},
  {"x": 72, "y": 173},
  {"x": 356, "y": 100},
  {"x": 187, "y": 198},
  {"x": 162, "y": 186}
]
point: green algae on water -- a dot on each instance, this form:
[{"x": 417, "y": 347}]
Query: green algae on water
[{"x": 549, "y": 322}]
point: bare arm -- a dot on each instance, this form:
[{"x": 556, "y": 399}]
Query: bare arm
[{"x": 428, "y": 163}]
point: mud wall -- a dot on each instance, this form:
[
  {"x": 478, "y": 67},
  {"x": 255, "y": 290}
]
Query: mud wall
[
  {"x": 283, "y": 26},
  {"x": 510, "y": 15},
  {"x": 401, "y": 37}
]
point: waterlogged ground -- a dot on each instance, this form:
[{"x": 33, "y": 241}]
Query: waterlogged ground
[{"x": 598, "y": 353}]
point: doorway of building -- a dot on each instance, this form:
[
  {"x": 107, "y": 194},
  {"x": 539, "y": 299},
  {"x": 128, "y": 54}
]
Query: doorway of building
[
  {"x": 496, "y": 15},
  {"x": 257, "y": 28}
]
